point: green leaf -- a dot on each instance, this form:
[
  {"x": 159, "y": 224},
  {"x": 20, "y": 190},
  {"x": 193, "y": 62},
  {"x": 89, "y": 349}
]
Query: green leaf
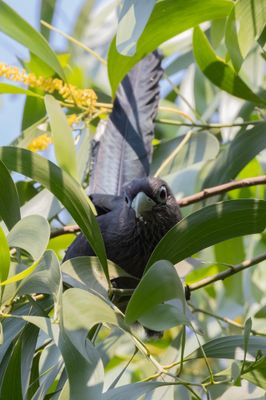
[
  {"x": 86, "y": 381},
  {"x": 231, "y": 40},
  {"x": 64, "y": 187},
  {"x": 45, "y": 279},
  {"x": 28, "y": 343},
  {"x": 210, "y": 225},
  {"x": 49, "y": 369},
  {"x": 12, "y": 89},
  {"x": 12, "y": 376},
  {"x": 255, "y": 372},
  {"x": 4, "y": 256},
  {"x": 47, "y": 13},
  {"x": 231, "y": 347},
  {"x": 218, "y": 72},
  {"x": 168, "y": 19},
  {"x": 1, "y": 334},
  {"x": 9, "y": 201},
  {"x": 202, "y": 146},
  {"x": 62, "y": 136},
  {"x": 245, "y": 146},
  {"x": 247, "y": 331},
  {"x": 163, "y": 316},
  {"x": 133, "y": 391},
  {"x": 44, "y": 203},
  {"x": 82, "y": 309},
  {"x": 159, "y": 284},
  {"x": 247, "y": 22},
  {"x": 87, "y": 273},
  {"x": 232, "y": 252},
  {"x": 217, "y": 31},
  {"x": 31, "y": 234},
  {"x": 21, "y": 275},
  {"x": 132, "y": 19},
  {"x": 17, "y": 28}
]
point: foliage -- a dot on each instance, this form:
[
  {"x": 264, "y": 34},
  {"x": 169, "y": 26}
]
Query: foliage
[{"x": 62, "y": 335}]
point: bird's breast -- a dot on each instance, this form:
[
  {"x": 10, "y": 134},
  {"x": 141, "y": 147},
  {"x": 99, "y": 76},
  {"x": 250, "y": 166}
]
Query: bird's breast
[{"x": 130, "y": 242}]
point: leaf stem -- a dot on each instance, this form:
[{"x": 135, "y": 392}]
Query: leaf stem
[
  {"x": 224, "y": 319},
  {"x": 227, "y": 273},
  {"x": 225, "y": 187},
  {"x": 174, "y": 153},
  {"x": 205, "y": 126},
  {"x": 75, "y": 41}
]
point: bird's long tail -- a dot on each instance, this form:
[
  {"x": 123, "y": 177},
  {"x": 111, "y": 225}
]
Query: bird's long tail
[{"x": 122, "y": 148}]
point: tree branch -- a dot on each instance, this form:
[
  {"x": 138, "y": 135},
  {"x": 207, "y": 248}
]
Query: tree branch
[
  {"x": 225, "y": 187},
  {"x": 65, "y": 230},
  {"x": 205, "y": 126},
  {"x": 186, "y": 201},
  {"x": 225, "y": 274},
  {"x": 224, "y": 319}
]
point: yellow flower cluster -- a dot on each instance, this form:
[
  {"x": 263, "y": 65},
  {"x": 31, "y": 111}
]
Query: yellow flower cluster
[
  {"x": 72, "y": 119},
  {"x": 85, "y": 98},
  {"x": 40, "y": 143}
]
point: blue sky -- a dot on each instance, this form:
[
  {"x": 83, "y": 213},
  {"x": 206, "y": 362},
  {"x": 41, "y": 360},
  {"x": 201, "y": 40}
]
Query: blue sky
[{"x": 11, "y": 107}]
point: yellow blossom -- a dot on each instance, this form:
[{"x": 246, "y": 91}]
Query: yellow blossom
[
  {"x": 72, "y": 119},
  {"x": 85, "y": 98},
  {"x": 40, "y": 143}
]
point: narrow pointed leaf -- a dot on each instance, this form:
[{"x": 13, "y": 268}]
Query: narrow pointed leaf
[
  {"x": 244, "y": 26},
  {"x": 210, "y": 225},
  {"x": 31, "y": 234},
  {"x": 256, "y": 372},
  {"x": 244, "y": 147},
  {"x": 21, "y": 275},
  {"x": 64, "y": 187},
  {"x": 218, "y": 72},
  {"x": 84, "y": 310},
  {"x": 46, "y": 278},
  {"x": 86, "y": 273},
  {"x": 12, "y": 89},
  {"x": 62, "y": 136},
  {"x": 132, "y": 20},
  {"x": 232, "y": 347},
  {"x": 9, "y": 201},
  {"x": 134, "y": 391},
  {"x": 168, "y": 19},
  {"x": 4, "y": 256},
  {"x": 17, "y": 28},
  {"x": 159, "y": 284}
]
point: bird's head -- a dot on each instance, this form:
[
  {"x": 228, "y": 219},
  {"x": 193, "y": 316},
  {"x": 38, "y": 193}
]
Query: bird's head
[{"x": 152, "y": 199}]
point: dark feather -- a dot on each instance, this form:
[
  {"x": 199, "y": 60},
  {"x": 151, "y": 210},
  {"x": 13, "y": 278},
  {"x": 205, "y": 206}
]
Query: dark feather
[{"x": 122, "y": 148}]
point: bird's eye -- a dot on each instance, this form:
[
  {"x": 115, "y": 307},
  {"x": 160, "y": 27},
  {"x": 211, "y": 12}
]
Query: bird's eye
[
  {"x": 126, "y": 199},
  {"x": 162, "y": 193}
]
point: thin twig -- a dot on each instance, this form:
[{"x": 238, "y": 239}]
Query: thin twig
[
  {"x": 227, "y": 273},
  {"x": 205, "y": 126},
  {"x": 65, "y": 230},
  {"x": 185, "y": 201},
  {"x": 75, "y": 41},
  {"x": 178, "y": 92},
  {"x": 224, "y": 319},
  {"x": 174, "y": 153},
  {"x": 225, "y": 187},
  {"x": 176, "y": 111}
]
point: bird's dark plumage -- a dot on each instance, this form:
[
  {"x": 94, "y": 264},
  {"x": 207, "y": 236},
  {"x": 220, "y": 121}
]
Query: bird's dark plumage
[
  {"x": 130, "y": 240},
  {"x": 134, "y": 211}
]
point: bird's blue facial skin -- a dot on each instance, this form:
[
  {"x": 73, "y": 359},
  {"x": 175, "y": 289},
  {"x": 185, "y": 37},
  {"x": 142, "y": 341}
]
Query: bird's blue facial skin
[{"x": 150, "y": 198}]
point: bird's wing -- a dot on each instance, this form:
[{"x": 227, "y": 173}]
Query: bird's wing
[
  {"x": 105, "y": 203},
  {"x": 122, "y": 147}
]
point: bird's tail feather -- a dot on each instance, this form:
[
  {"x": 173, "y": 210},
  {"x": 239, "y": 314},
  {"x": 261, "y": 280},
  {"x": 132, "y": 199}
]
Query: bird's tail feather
[{"x": 122, "y": 147}]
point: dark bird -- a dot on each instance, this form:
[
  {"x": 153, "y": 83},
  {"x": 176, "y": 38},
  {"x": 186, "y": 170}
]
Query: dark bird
[{"x": 134, "y": 211}]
